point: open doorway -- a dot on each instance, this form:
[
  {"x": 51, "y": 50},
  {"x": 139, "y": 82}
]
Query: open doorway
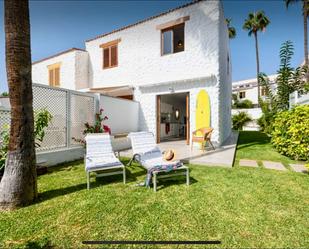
[{"x": 173, "y": 117}]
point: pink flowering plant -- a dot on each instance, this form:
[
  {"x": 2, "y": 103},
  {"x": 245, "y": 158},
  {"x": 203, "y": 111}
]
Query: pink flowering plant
[{"x": 98, "y": 127}]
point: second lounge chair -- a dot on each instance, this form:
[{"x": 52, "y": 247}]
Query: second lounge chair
[{"x": 147, "y": 153}]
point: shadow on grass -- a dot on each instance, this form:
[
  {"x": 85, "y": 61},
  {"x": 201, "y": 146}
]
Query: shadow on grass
[{"x": 251, "y": 138}]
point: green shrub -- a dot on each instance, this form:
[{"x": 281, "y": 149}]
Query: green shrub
[
  {"x": 243, "y": 104},
  {"x": 41, "y": 120},
  {"x": 239, "y": 120},
  {"x": 290, "y": 135},
  {"x": 4, "y": 144}
]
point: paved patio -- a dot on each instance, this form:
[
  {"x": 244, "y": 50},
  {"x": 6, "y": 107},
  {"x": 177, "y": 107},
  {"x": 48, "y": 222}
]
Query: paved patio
[{"x": 222, "y": 156}]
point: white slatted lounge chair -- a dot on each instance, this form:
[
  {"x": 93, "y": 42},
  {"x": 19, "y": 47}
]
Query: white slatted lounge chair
[
  {"x": 147, "y": 153},
  {"x": 100, "y": 157}
]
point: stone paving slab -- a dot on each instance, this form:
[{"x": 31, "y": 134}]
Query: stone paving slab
[
  {"x": 248, "y": 163},
  {"x": 299, "y": 168},
  {"x": 274, "y": 165}
]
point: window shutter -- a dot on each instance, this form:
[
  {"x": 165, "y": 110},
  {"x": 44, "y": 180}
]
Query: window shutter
[
  {"x": 105, "y": 57},
  {"x": 57, "y": 76},
  {"x": 51, "y": 77},
  {"x": 114, "y": 51}
]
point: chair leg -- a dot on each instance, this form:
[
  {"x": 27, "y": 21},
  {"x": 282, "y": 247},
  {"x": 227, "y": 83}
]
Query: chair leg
[
  {"x": 154, "y": 181},
  {"x": 130, "y": 162},
  {"x": 88, "y": 180},
  {"x": 211, "y": 145},
  {"x": 124, "y": 175},
  {"x": 188, "y": 177}
]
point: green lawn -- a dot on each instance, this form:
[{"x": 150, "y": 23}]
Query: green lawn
[
  {"x": 256, "y": 146},
  {"x": 242, "y": 207}
]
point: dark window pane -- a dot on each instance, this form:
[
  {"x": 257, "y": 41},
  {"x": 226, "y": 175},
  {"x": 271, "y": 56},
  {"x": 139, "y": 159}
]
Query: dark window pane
[
  {"x": 179, "y": 38},
  {"x": 167, "y": 42}
]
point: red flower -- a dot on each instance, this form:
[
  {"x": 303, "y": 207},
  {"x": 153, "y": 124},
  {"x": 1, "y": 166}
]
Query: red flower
[
  {"x": 105, "y": 118},
  {"x": 107, "y": 129}
]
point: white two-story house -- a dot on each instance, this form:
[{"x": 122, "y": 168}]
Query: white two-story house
[{"x": 175, "y": 64}]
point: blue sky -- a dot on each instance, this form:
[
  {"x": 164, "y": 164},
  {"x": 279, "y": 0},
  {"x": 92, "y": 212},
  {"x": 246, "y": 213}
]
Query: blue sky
[{"x": 59, "y": 25}]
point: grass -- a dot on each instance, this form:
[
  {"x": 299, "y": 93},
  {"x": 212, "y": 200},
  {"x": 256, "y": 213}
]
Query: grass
[
  {"x": 256, "y": 146},
  {"x": 242, "y": 207}
]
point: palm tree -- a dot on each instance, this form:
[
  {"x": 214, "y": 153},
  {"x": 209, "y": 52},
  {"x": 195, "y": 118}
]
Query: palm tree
[
  {"x": 256, "y": 22},
  {"x": 18, "y": 186},
  {"x": 231, "y": 30},
  {"x": 305, "y": 16}
]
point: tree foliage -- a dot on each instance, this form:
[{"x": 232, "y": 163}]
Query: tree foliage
[
  {"x": 239, "y": 120},
  {"x": 290, "y": 134},
  {"x": 231, "y": 29},
  {"x": 256, "y": 21}
]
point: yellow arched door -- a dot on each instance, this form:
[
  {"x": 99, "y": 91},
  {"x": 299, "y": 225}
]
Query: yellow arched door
[{"x": 202, "y": 116}]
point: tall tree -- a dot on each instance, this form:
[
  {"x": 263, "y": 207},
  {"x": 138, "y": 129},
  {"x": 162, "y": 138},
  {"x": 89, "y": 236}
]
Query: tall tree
[
  {"x": 305, "y": 18},
  {"x": 18, "y": 186},
  {"x": 231, "y": 29},
  {"x": 256, "y": 22}
]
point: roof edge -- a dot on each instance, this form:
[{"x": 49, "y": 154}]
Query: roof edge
[
  {"x": 58, "y": 54},
  {"x": 145, "y": 20}
]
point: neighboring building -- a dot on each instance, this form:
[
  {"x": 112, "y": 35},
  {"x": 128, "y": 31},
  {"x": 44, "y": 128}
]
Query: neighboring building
[
  {"x": 164, "y": 62},
  {"x": 247, "y": 89},
  {"x": 5, "y": 102}
]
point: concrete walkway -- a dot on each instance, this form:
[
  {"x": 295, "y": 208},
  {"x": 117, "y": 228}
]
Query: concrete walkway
[
  {"x": 300, "y": 168},
  {"x": 221, "y": 156}
]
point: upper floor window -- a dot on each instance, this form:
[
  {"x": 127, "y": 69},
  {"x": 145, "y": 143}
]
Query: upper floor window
[
  {"x": 242, "y": 95},
  {"x": 110, "y": 54},
  {"x": 173, "y": 35},
  {"x": 54, "y": 74},
  {"x": 173, "y": 39}
]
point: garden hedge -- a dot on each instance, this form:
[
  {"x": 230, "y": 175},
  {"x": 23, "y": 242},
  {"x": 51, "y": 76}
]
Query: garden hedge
[{"x": 290, "y": 134}]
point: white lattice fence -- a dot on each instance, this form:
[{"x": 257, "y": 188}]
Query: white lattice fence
[
  {"x": 70, "y": 111},
  {"x": 5, "y": 118}
]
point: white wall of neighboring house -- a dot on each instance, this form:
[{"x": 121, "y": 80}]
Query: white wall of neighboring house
[
  {"x": 73, "y": 69},
  {"x": 249, "y": 86},
  {"x": 5, "y": 102}
]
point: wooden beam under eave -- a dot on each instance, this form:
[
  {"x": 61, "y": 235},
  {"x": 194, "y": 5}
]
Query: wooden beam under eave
[
  {"x": 111, "y": 43},
  {"x": 173, "y": 23}
]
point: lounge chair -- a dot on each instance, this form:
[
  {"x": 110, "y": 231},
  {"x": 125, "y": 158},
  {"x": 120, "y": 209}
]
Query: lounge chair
[
  {"x": 202, "y": 135},
  {"x": 147, "y": 153},
  {"x": 100, "y": 157}
]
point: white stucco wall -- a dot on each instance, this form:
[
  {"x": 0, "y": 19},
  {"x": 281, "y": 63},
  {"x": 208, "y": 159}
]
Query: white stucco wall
[
  {"x": 81, "y": 69},
  {"x": 122, "y": 114},
  {"x": 147, "y": 98},
  {"x": 225, "y": 80},
  {"x": 73, "y": 70},
  {"x": 139, "y": 51}
]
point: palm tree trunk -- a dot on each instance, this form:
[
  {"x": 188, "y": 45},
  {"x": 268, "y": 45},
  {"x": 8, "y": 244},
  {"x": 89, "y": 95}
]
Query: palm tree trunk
[
  {"x": 257, "y": 65},
  {"x": 18, "y": 186},
  {"x": 305, "y": 15}
]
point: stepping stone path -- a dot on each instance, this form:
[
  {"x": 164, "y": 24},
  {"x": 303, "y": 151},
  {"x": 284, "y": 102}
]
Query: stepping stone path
[
  {"x": 274, "y": 165},
  {"x": 248, "y": 163},
  {"x": 299, "y": 168}
]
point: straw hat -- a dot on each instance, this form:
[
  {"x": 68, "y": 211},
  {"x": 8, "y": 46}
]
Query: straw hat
[{"x": 169, "y": 155}]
